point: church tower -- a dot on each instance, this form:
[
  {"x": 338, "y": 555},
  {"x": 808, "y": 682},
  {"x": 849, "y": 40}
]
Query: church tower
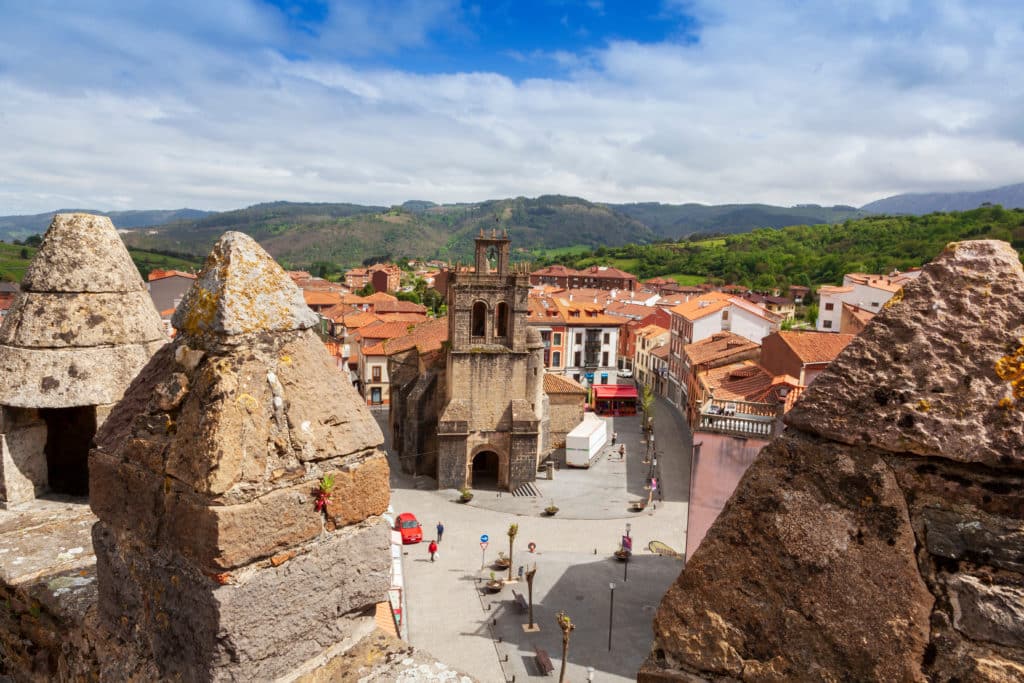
[{"x": 489, "y": 432}]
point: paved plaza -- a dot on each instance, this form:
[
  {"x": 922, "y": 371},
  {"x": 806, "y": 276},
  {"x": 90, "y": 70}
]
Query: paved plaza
[{"x": 452, "y": 617}]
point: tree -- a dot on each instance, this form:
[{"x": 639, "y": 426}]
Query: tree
[
  {"x": 365, "y": 290},
  {"x": 646, "y": 401},
  {"x": 513, "y": 530},
  {"x": 567, "y": 627},
  {"x": 24, "y": 254},
  {"x": 33, "y": 240}
]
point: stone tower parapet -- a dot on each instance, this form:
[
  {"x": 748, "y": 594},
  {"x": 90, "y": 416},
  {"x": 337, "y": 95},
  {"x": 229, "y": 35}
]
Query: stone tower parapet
[
  {"x": 880, "y": 536},
  {"x": 81, "y": 328},
  {"x": 239, "y": 487}
]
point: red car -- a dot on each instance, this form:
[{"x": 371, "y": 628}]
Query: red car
[{"x": 409, "y": 527}]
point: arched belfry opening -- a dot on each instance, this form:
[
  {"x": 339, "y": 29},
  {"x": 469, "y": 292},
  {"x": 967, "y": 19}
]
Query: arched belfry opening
[
  {"x": 501, "y": 320},
  {"x": 479, "y": 322}
]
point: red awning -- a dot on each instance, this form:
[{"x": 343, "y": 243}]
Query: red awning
[{"x": 614, "y": 391}]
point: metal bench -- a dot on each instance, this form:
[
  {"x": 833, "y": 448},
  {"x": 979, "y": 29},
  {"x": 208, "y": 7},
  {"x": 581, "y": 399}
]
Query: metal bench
[
  {"x": 544, "y": 662},
  {"x": 520, "y": 601}
]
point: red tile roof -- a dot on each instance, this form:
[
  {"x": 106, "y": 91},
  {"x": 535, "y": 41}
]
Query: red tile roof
[
  {"x": 560, "y": 384},
  {"x": 718, "y": 346},
  {"x": 702, "y": 306},
  {"x": 425, "y": 337},
  {"x": 161, "y": 274},
  {"x": 815, "y": 347},
  {"x": 321, "y": 298},
  {"x": 746, "y": 381},
  {"x": 383, "y": 330}
]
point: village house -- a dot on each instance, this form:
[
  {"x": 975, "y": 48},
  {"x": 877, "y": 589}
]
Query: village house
[
  {"x": 598, "y": 277},
  {"x": 853, "y": 320},
  {"x": 8, "y": 291},
  {"x": 385, "y": 277},
  {"x": 546, "y": 317},
  {"x": 801, "y": 354},
  {"x": 702, "y": 317},
  {"x": 371, "y": 358},
  {"x": 646, "y": 366},
  {"x": 721, "y": 348},
  {"x": 867, "y": 292}
]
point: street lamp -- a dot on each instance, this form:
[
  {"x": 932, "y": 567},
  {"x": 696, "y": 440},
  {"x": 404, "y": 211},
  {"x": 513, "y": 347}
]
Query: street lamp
[
  {"x": 611, "y": 611},
  {"x": 628, "y": 547}
]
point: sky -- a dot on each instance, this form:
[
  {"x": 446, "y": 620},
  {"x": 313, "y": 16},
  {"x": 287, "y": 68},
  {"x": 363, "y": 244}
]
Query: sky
[{"x": 219, "y": 104}]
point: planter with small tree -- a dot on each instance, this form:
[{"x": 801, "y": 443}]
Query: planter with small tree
[
  {"x": 465, "y": 495},
  {"x": 495, "y": 584},
  {"x": 502, "y": 562},
  {"x": 551, "y": 510}
]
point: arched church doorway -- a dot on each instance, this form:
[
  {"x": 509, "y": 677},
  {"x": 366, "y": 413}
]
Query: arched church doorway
[{"x": 485, "y": 470}]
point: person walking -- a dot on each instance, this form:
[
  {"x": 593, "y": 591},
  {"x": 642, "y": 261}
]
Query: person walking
[
  {"x": 440, "y": 531},
  {"x": 622, "y": 451},
  {"x": 432, "y": 549},
  {"x": 615, "y": 436}
]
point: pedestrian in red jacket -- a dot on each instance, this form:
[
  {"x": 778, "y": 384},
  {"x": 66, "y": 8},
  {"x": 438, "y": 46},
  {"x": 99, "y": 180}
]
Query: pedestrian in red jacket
[{"x": 432, "y": 549}]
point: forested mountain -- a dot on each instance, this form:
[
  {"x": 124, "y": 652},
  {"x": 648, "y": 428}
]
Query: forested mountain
[
  {"x": 1010, "y": 196},
  {"x": 675, "y": 221},
  {"x": 818, "y": 254},
  {"x": 300, "y": 234},
  {"x": 20, "y": 227}
]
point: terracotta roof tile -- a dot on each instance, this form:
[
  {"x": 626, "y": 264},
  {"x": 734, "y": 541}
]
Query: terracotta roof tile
[
  {"x": 161, "y": 274},
  {"x": 718, "y": 346},
  {"x": 815, "y": 347},
  {"x": 383, "y": 330},
  {"x": 321, "y": 298},
  {"x": 702, "y": 306},
  {"x": 426, "y": 337},
  {"x": 746, "y": 381},
  {"x": 559, "y": 384}
]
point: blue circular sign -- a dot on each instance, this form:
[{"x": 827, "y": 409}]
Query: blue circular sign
[{"x": 484, "y": 538}]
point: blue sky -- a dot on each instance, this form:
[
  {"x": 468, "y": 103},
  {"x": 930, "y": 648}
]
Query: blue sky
[{"x": 112, "y": 104}]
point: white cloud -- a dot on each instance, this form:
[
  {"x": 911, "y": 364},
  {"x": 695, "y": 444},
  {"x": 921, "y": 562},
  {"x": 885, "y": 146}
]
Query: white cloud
[{"x": 826, "y": 103}]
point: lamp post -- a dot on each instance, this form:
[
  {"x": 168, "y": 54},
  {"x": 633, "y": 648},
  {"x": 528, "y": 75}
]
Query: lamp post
[
  {"x": 611, "y": 612},
  {"x": 628, "y": 547}
]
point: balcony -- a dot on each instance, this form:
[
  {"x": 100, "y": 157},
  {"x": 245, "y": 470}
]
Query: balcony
[{"x": 739, "y": 418}]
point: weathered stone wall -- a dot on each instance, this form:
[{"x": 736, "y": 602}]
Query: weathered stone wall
[
  {"x": 566, "y": 412},
  {"x": 879, "y": 538},
  {"x": 213, "y": 554},
  {"x": 23, "y": 472},
  {"x": 488, "y": 381}
]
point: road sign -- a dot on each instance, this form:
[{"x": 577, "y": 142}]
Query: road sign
[{"x": 484, "y": 538}]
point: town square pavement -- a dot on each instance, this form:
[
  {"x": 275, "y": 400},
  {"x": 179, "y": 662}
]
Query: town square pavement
[{"x": 451, "y": 616}]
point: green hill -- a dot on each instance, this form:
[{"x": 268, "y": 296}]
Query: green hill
[
  {"x": 817, "y": 254},
  {"x": 300, "y": 234},
  {"x": 20, "y": 227},
  {"x": 14, "y": 259},
  {"x": 676, "y": 221}
]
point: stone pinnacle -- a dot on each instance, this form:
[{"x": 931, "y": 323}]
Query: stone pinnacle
[{"x": 241, "y": 290}]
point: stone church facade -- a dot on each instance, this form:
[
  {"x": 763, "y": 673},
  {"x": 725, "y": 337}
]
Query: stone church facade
[{"x": 492, "y": 429}]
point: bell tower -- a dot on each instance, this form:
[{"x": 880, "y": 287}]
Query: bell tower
[{"x": 489, "y": 431}]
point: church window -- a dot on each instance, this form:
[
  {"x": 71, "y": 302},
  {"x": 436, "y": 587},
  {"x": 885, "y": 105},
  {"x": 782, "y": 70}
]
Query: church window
[
  {"x": 479, "y": 319},
  {"x": 501, "y": 319}
]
